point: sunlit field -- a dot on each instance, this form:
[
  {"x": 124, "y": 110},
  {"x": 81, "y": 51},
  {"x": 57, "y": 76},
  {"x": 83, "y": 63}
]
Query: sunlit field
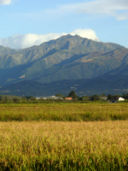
[
  {"x": 64, "y": 112},
  {"x": 64, "y": 136},
  {"x": 64, "y": 145}
]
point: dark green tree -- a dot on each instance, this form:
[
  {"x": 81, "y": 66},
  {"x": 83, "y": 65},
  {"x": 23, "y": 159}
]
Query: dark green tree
[
  {"x": 125, "y": 96},
  {"x": 112, "y": 98},
  {"x": 73, "y": 94},
  {"x": 94, "y": 98}
]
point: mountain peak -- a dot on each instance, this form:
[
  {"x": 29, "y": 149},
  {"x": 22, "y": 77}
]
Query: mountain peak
[{"x": 69, "y": 57}]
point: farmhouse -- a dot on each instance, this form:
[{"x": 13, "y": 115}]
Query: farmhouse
[
  {"x": 121, "y": 99},
  {"x": 68, "y": 98}
]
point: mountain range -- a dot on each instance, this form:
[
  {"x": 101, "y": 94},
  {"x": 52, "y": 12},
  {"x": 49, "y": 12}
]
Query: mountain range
[{"x": 65, "y": 64}]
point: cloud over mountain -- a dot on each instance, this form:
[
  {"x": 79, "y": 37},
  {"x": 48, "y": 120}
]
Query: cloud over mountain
[
  {"x": 5, "y": 2},
  {"x": 28, "y": 40},
  {"x": 85, "y": 33}
]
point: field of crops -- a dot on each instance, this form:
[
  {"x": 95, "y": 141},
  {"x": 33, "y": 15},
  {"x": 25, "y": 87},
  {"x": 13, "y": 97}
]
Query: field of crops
[
  {"x": 47, "y": 140},
  {"x": 64, "y": 145},
  {"x": 64, "y": 112}
]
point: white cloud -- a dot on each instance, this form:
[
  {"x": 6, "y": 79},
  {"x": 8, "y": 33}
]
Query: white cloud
[
  {"x": 115, "y": 8},
  {"x": 85, "y": 33},
  {"x": 5, "y": 2},
  {"x": 28, "y": 40}
]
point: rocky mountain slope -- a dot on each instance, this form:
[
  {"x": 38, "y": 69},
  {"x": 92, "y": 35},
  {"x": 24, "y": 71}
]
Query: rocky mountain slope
[{"x": 70, "y": 62}]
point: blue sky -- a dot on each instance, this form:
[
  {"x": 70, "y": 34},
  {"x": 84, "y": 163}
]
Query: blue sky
[{"x": 108, "y": 19}]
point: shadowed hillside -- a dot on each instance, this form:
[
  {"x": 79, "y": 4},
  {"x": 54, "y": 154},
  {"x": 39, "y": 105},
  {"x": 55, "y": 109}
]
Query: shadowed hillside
[{"x": 59, "y": 65}]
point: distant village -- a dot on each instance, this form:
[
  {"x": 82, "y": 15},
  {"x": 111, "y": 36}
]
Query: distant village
[
  {"x": 85, "y": 98},
  {"x": 72, "y": 96}
]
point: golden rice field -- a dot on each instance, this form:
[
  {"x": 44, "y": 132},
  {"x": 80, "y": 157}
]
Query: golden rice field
[
  {"x": 64, "y": 112},
  {"x": 64, "y": 145},
  {"x": 47, "y": 140}
]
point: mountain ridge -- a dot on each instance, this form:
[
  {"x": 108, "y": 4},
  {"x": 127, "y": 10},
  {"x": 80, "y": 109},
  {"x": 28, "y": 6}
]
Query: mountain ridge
[{"x": 69, "y": 58}]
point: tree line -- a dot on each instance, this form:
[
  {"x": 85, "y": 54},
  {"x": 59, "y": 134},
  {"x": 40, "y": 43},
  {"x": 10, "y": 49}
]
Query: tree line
[{"x": 72, "y": 94}]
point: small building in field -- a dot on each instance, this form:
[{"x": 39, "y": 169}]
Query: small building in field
[
  {"x": 121, "y": 99},
  {"x": 68, "y": 98}
]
